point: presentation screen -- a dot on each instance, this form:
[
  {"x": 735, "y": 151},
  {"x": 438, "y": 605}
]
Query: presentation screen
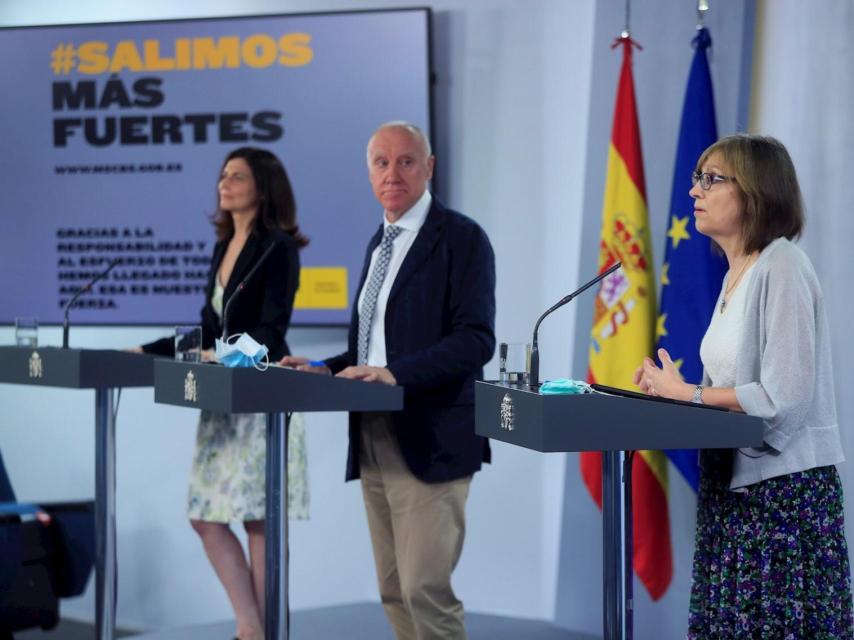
[{"x": 114, "y": 136}]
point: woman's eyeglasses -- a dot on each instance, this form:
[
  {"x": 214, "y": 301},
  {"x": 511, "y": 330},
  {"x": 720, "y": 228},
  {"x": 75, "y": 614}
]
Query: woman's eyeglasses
[{"x": 706, "y": 180}]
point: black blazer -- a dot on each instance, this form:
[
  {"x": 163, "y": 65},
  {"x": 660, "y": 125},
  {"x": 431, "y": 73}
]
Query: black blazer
[
  {"x": 440, "y": 331},
  {"x": 264, "y": 307}
]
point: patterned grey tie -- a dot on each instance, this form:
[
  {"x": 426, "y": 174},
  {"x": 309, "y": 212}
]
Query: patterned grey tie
[{"x": 372, "y": 291}]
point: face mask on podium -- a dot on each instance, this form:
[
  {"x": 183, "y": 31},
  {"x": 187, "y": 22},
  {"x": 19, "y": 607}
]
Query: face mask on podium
[{"x": 241, "y": 350}]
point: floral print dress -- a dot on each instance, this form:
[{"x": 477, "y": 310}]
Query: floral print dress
[
  {"x": 228, "y": 476},
  {"x": 771, "y": 562},
  {"x": 770, "y": 559},
  {"x": 229, "y": 472}
]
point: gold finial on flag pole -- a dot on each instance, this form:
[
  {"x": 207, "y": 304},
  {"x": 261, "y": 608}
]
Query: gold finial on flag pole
[{"x": 702, "y": 8}]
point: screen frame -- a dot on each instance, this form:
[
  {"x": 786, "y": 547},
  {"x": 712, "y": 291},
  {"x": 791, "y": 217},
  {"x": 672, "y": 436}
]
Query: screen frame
[{"x": 431, "y": 115}]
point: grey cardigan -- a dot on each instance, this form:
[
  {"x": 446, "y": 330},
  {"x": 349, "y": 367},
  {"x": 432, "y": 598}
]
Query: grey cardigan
[{"x": 784, "y": 373}]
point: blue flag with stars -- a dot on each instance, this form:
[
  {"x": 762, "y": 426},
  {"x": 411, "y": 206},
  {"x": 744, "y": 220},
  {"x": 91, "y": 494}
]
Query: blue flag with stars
[{"x": 692, "y": 272}]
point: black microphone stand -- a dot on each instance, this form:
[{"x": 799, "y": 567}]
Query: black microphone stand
[
  {"x": 534, "y": 377},
  {"x": 240, "y": 287},
  {"x": 87, "y": 287}
]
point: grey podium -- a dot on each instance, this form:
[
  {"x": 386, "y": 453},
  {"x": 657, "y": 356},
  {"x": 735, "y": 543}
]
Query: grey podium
[
  {"x": 613, "y": 425},
  {"x": 104, "y": 371},
  {"x": 276, "y": 392}
]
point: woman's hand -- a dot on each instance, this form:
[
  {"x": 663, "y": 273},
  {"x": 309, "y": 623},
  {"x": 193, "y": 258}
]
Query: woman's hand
[
  {"x": 667, "y": 382},
  {"x": 664, "y": 381}
]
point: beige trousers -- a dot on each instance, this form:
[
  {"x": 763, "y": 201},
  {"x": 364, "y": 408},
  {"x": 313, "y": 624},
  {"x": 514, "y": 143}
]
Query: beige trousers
[{"x": 417, "y": 531}]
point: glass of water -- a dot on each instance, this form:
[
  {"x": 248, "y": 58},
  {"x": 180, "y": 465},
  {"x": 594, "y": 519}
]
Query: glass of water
[
  {"x": 188, "y": 343},
  {"x": 27, "y": 332},
  {"x": 514, "y": 363}
]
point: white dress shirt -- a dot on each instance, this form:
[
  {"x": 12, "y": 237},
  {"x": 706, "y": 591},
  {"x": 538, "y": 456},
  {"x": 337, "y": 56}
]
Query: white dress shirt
[{"x": 410, "y": 224}]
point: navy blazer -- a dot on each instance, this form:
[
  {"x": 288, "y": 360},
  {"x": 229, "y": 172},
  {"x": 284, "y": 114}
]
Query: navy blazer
[
  {"x": 264, "y": 307},
  {"x": 439, "y": 331}
]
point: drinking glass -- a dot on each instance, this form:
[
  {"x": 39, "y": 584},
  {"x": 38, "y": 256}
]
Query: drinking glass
[
  {"x": 188, "y": 343},
  {"x": 27, "y": 332},
  {"x": 514, "y": 363}
]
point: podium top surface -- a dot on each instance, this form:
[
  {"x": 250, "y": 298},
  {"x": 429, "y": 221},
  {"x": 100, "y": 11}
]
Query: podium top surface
[
  {"x": 600, "y": 422},
  {"x": 247, "y": 390},
  {"x": 75, "y": 368}
]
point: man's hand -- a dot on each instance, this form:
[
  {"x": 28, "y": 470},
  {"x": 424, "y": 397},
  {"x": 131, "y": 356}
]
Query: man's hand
[
  {"x": 304, "y": 364},
  {"x": 369, "y": 374}
]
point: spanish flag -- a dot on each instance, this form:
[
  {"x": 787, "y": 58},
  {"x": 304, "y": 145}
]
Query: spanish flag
[{"x": 624, "y": 328}]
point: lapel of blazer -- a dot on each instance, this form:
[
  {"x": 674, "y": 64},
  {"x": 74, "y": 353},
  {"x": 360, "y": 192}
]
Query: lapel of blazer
[
  {"x": 354, "y": 313},
  {"x": 216, "y": 260},
  {"x": 244, "y": 263},
  {"x": 421, "y": 249},
  {"x": 372, "y": 244}
]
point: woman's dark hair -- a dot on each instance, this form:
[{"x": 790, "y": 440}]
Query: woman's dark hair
[
  {"x": 768, "y": 186},
  {"x": 277, "y": 208}
]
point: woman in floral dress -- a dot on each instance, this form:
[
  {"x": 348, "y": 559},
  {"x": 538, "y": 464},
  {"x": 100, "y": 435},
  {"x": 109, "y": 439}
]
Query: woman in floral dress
[{"x": 255, "y": 209}]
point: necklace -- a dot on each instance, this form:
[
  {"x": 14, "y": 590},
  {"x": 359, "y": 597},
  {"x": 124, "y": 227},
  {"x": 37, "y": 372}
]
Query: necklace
[{"x": 730, "y": 286}]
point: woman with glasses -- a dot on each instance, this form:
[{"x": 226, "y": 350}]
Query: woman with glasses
[{"x": 770, "y": 557}]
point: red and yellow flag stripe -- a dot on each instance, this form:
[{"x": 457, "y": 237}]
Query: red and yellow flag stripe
[{"x": 624, "y": 329}]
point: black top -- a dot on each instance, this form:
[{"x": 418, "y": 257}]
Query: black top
[{"x": 264, "y": 307}]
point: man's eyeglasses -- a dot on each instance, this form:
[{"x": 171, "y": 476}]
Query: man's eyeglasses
[{"x": 706, "y": 180}]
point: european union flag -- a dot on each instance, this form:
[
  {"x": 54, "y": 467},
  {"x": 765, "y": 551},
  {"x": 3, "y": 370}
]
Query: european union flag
[{"x": 692, "y": 272}]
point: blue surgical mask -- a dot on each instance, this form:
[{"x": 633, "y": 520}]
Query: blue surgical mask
[
  {"x": 242, "y": 351},
  {"x": 565, "y": 386}
]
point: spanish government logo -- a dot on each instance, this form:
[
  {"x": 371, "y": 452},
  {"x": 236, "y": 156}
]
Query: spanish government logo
[
  {"x": 506, "y": 413},
  {"x": 36, "y": 367},
  {"x": 191, "y": 388}
]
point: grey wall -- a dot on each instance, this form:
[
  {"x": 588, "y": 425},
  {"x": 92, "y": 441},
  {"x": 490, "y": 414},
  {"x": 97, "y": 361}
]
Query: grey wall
[{"x": 803, "y": 96}]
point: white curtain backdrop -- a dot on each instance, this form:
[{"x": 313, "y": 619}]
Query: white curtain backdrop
[{"x": 803, "y": 95}]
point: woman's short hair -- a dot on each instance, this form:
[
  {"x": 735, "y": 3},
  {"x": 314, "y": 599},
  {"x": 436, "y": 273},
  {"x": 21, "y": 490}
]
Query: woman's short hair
[
  {"x": 277, "y": 207},
  {"x": 765, "y": 175}
]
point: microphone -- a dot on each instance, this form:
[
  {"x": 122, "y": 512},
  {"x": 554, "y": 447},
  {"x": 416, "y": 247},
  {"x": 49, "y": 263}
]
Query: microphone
[
  {"x": 87, "y": 287},
  {"x": 534, "y": 378},
  {"x": 241, "y": 287}
]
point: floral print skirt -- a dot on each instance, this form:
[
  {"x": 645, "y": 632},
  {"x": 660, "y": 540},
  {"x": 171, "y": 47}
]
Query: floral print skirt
[
  {"x": 229, "y": 472},
  {"x": 771, "y": 562}
]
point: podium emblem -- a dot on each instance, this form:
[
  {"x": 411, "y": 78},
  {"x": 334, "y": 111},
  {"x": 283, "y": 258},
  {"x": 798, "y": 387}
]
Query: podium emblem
[
  {"x": 191, "y": 388},
  {"x": 36, "y": 368},
  {"x": 506, "y": 413}
]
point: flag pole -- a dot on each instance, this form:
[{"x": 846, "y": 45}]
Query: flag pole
[
  {"x": 623, "y": 463},
  {"x": 702, "y": 8},
  {"x": 617, "y": 482},
  {"x": 626, "y": 29},
  {"x": 618, "y": 541}
]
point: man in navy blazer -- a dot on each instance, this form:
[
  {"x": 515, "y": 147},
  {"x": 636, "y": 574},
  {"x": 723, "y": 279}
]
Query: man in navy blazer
[{"x": 424, "y": 319}]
